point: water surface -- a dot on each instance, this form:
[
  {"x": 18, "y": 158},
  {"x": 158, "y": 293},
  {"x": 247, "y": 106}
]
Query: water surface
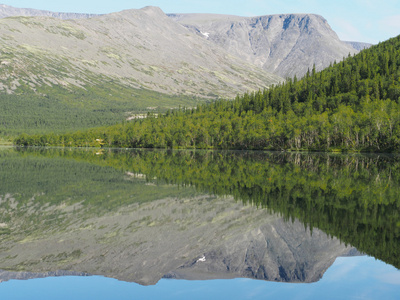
[{"x": 146, "y": 222}]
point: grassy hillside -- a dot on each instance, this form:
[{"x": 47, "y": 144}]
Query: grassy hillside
[{"x": 352, "y": 105}]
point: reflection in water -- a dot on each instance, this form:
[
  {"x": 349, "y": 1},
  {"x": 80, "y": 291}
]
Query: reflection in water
[
  {"x": 359, "y": 277},
  {"x": 143, "y": 215}
]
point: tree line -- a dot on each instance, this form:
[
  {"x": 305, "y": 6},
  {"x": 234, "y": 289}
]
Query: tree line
[{"x": 351, "y": 105}]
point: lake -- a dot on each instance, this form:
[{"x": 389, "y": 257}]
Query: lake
[{"x": 143, "y": 224}]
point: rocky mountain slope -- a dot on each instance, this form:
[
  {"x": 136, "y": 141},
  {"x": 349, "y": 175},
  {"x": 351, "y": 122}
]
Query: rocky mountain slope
[
  {"x": 287, "y": 44},
  {"x": 138, "y": 48}
]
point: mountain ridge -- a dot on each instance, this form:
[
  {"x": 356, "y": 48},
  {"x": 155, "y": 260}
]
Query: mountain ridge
[
  {"x": 303, "y": 41},
  {"x": 284, "y": 44},
  {"x": 10, "y": 11},
  {"x": 140, "y": 48},
  {"x": 358, "y": 45}
]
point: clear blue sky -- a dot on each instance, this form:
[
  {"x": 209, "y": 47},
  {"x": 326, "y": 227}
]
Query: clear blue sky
[{"x": 355, "y": 20}]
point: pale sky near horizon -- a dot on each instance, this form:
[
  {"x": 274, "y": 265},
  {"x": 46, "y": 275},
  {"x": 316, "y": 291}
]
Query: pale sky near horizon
[{"x": 369, "y": 21}]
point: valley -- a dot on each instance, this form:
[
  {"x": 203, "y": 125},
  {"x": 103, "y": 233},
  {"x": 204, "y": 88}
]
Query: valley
[{"x": 65, "y": 71}]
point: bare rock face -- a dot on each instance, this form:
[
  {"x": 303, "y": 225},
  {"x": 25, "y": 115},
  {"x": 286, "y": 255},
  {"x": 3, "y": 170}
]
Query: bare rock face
[{"x": 287, "y": 44}]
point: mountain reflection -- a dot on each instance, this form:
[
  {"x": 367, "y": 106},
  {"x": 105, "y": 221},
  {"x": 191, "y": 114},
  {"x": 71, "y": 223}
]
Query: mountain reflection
[{"x": 143, "y": 215}]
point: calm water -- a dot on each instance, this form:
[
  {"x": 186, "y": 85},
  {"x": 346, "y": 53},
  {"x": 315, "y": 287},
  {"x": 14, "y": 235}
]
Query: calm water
[{"x": 128, "y": 224}]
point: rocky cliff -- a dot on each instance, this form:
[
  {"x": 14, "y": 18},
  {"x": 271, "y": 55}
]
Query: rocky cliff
[{"x": 287, "y": 44}]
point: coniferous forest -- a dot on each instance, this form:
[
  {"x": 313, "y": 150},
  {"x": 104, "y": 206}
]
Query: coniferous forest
[{"x": 353, "y": 105}]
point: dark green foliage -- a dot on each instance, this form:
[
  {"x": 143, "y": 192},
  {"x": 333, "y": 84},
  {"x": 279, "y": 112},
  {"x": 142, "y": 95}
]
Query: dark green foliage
[
  {"x": 37, "y": 179},
  {"x": 352, "y": 105},
  {"x": 57, "y": 109},
  {"x": 34, "y": 114}
]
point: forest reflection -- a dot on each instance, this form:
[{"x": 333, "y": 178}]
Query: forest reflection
[{"x": 353, "y": 197}]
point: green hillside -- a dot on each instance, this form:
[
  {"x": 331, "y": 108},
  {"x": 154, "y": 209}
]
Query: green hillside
[
  {"x": 57, "y": 109},
  {"x": 351, "y": 105}
]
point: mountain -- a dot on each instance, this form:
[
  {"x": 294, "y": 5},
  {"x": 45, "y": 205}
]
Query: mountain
[
  {"x": 136, "y": 48},
  {"x": 74, "y": 71},
  {"x": 359, "y": 45},
  {"x": 286, "y": 44},
  {"x": 10, "y": 11}
]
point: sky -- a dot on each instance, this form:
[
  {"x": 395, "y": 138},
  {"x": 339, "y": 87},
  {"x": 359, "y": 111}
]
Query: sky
[{"x": 370, "y": 21}]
